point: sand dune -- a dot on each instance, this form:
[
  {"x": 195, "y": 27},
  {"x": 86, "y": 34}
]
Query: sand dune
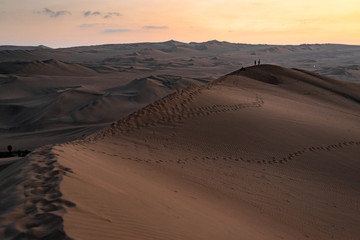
[
  {"x": 49, "y": 67},
  {"x": 340, "y": 61},
  {"x": 13, "y": 47},
  {"x": 38, "y": 84},
  {"x": 265, "y": 153},
  {"x": 32, "y": 104}
]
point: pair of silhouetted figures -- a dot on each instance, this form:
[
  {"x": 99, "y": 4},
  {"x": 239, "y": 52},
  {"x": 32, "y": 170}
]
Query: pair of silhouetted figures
[{"x": 258, "y": 62}]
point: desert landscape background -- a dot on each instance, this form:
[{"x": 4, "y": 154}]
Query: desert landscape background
[
  {"x": 180, "y": 141},
  {"x": 111, "y": 130},
  {"x": 55, "y": 95}
]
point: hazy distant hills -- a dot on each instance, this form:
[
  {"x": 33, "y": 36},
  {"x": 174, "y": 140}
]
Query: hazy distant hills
[
  {"x": 13, "y": 47},
  {"x": 340, "y": 61}
]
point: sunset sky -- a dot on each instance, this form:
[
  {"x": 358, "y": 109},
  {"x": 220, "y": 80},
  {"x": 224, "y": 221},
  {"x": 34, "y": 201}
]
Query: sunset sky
[{"x": 63, "y": 23}]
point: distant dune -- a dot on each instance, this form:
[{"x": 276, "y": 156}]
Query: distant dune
[
  {"x": 49, "y": 67},
  {"x": 320, "y": 58},
  {"x": 265, "y": 152},
  {"x": 12, "y": 47}
]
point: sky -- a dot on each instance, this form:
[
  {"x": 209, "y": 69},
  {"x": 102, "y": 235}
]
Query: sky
[{"x": 65, "y": 23}]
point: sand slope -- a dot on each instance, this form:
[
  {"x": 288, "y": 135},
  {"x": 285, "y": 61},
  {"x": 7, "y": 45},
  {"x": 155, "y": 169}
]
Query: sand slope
[{"x": 265, "y": 153}]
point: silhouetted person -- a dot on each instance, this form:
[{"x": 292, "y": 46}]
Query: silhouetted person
[
  {"x": 10, "y": 148},
  {"x": 255, "y": 62},
  {"x": 259, "y": 61}
]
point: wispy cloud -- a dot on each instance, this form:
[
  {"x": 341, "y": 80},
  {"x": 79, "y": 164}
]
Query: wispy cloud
[
  {"x": 86, "y": 25},
  {"x": 116, "y": 30},
  {"x": 112, "y": 14},
  {"x": 155, "y": 27},
  {"x": 104, "y": 15},
  {"x": 92, "y": 25},
  {"x": 52, "y": 13},
  {"x": 90, "y": 13}
]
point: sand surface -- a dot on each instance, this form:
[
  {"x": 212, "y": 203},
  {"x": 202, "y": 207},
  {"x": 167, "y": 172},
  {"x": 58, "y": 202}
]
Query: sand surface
[
  {"x": 265, "y": 153},
  {"x": 57, "y": 95}
]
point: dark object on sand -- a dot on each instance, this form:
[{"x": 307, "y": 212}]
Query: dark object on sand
[{"x": 10, "y": 153}]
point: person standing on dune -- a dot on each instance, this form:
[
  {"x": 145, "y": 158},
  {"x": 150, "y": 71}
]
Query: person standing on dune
[{"x": 259, "y": 61}]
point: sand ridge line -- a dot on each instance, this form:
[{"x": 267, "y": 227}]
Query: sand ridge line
[{"x": 42, "y": 204}]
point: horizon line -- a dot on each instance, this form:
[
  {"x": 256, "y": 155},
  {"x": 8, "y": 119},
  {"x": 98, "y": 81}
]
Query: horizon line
[{"x": 172, "y": 40}]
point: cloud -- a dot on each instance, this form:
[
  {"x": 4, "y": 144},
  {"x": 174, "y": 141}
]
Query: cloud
[
  {"x": 155, "y": 27},
  {"x": 111, "y": 14},
  {"x": 116, "y": 30},
  {"x": 52, "y": 13},
  {"x": 98, "y": 13},
  {"x": 90, "y": 13},
  {"x": 85, "y": 25},
  {"x": 91, "y": 25}
]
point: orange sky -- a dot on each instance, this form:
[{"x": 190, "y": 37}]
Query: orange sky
[{"x": 65, "y": 23}]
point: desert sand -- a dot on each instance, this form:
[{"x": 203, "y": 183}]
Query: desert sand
[
  {"x": 49, "y": 96},
  {"x": 262, "y": 153}
]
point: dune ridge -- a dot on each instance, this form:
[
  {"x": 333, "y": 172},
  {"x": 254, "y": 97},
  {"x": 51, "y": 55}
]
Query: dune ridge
[{"x": 174, "y": 107}]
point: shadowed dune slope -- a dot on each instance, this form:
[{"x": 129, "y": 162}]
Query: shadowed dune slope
[
  {"x": 265, "y": 153},
  {"x": 37, "y": 105},
  {"x": 48, "y": 67}
]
